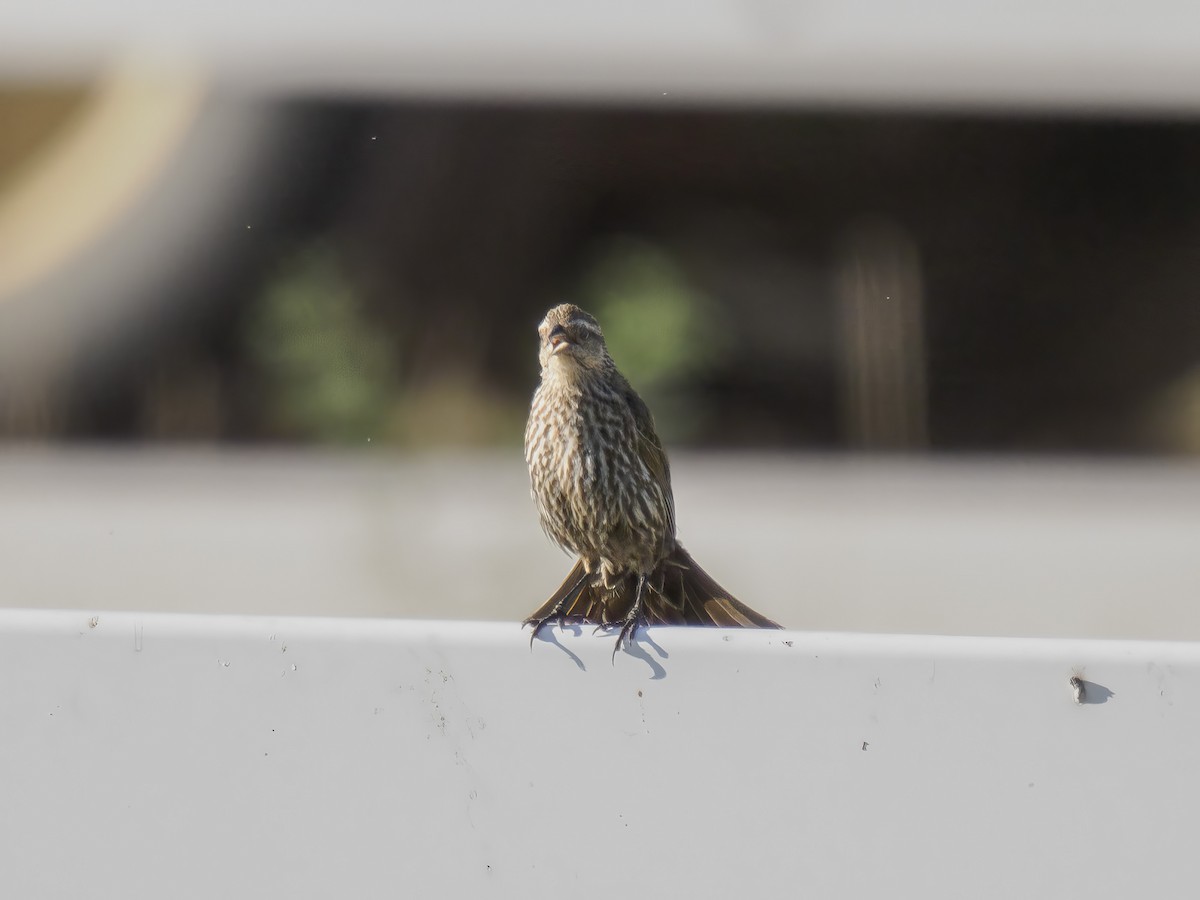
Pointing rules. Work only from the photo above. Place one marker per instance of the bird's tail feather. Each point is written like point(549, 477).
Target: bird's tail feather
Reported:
point(576, 599)
point(678, 592)
point(693, 597)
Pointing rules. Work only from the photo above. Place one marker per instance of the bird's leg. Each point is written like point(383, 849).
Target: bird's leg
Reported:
point(614, 593)
point(559, 610)
point(633, 619)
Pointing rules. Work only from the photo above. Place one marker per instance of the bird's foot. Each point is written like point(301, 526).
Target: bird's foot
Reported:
point(628, 632)
point(623, 624)
point(635, 617)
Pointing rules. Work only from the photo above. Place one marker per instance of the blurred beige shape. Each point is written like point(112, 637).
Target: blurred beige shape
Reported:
point(76, 163)
point(115, 144)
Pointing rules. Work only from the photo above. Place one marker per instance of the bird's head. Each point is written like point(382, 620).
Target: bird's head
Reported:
point(571, 338)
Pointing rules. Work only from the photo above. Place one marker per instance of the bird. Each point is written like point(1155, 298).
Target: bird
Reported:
point(601, 483)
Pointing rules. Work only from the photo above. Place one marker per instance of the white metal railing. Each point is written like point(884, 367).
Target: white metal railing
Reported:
point(154, 755)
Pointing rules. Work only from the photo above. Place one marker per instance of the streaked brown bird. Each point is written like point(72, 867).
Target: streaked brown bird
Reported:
point(602, 486)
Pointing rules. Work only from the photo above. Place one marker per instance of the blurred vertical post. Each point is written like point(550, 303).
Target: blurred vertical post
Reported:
point(880, 310)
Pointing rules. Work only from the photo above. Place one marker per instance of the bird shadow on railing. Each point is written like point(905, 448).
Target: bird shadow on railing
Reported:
point(634, 648)
point(550, 636)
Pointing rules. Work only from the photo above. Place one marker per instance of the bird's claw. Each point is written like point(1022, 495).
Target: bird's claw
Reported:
point(625, 637)
point(561, 619)
point(537, 624)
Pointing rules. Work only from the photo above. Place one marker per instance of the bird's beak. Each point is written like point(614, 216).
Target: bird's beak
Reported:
point(558, 339)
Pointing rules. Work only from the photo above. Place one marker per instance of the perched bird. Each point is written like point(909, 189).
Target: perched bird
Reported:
point(600, 479)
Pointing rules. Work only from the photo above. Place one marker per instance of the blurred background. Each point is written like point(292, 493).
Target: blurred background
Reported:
point(913, 298)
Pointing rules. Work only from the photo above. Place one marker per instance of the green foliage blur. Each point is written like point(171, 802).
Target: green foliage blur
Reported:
point(330, 376)
point(658, 327)
point(661, 330)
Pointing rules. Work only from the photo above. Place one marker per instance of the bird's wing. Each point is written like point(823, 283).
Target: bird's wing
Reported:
point(650, 451)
